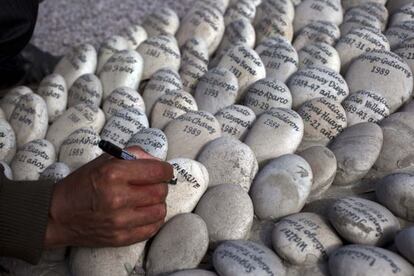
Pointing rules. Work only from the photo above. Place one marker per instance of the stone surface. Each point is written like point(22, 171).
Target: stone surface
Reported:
point(7, 171)
point(55, 172)
point(362, 221)
point(370, 9)
point(54, 92)
point(261, 232)
point(235, 121)
point(405, 243)
point(317, 31)
point(86, 89)
point(9, 101)
point(193, 272)
point(172, 250)
point(163, 21)
point(281, 187)
point(285, 124)
point(135, 35)
point(151, 140)
point(243, 9)
point(347, 4)
point(108, 48)
point(272, 26)
point(268, 8)
point(396, 34)
point(405, 13)
point(122, 98)
point(358, 17)
point(8, 144)
point(406, 52)
point(320, 54)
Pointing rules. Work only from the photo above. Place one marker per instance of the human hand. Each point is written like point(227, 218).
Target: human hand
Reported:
point(109, 202)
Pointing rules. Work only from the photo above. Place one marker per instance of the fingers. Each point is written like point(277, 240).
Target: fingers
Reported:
point(139, 153)
point(136, 235)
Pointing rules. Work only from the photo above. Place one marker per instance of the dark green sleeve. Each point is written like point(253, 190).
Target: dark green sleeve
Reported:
point(24, 211)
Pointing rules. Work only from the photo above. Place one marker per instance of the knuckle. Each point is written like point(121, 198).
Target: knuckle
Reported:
point(117, 222)
point(109, 173)
point(161, 192)
point(160, 211)
point(115, 201)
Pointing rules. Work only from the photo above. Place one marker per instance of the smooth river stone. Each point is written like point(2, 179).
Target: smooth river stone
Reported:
point(228, 212)
point(172, 250)
point(245, 64)
point(7, 142)
point(243, 258)
point(281, 187)
point(320, 54)
point(78, 61)
point(170, 106)
point(356, 149)
point(397, 34)
point(163, 21)
point(365, 106)
point(123, 69)
point(354, 19)
point(192, 182)
point(396, 192)
point(124, 124)
point(229, 161)
point(204, 22)
point(216, 90)
point(122, 98)
point(135, 35)
point(314, 82)
point(110, 47)
point(285, 124)
point(279, 57)
point(80, 148)
point(347, 4)
point(362, 221)
point(266, 94)
point(405, 243)
point(78, 116)
point(188, 134)
point(106, 261)
point(162, 82)
point(159, 52)
point(86, 89)
point(406, 52)
point(32, 159)
point(356, 260)
point(317, 31)
point(54, 91)
point(312, 10)
point(357, 42)
point(151, 140)
point(217, 5)
point(193, 272)
point(405, 13)
point(383, 72)
point(261, 232)
point(408, 107)
point(235, 121)
point(323, 120)
point(242, 9)
point(9, 101)
point(272, 26)
point(2, 114)
point(7, 171)
point(55, 172)
point(269, 8)
point(324, 165)
point(29, 119)
point(304, 239)
point(370, 9)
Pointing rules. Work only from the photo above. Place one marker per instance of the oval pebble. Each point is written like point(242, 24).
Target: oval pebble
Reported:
point(55, 172)
point(9, 101)
point(86, 89)
point(242, 9)
point(54, 91)
point(405, 243)
point(398, 33)
point(163, 21)
point(317, 31)
point(320, 54)
point(406, 52)
point(135, 35)
point(7, 142)
point(268, 8)
point(151, 140)
point(355, 19)
point(122, 98)
point(110, 47)
point(193, 272)
point(347, 4)
point(235, 121)
point(272, 26)
point(405, 13)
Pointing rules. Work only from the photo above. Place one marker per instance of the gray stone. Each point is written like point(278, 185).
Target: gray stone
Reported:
point(55, 172)
point(242, 9)
point(261, 232)
point(162, 21)
point(405, 243)
point(54, 92)
point(398, 33)
point(135, 35)
point(347, 4)
point(355, 19)
point(122, 98)
point(370, 9)
point(109, 47)
point(320, 54)
point(9, 101)
point(86, 89)
point(268, 8)
point(275, 25)
point(317, 31)
point(7, 142)
point(193, 272)
point(405, 13)
point(151, 140)
point(408, 107)
point(406, 52)
point(235, 121)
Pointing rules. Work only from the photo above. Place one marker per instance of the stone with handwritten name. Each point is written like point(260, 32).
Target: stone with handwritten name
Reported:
point(235, 121)
point(122, 98)
point(369, 9)
point(9, 101)
point(242, 9)
point(190, 132)
point(173, 250)
point(192, 182)
point(170, 106)
point(78, 61)
point(357, 18)
point(383, 72)
point(405, 243)
point(32, 159)
point(279, 57)
point(395, 5)
point(54, 91)
point(159, 52)
point(86, 89)
point(362, 221)
point(319, 54)
point(55, 172)
point(406, 51)
point(7, 142)
point(319, 269)
point(281, 187)
point(285, 124)
point(324, 165)
point(347, 4)
point(397, 33)
point(269, 8)
point(110, 47)
point(408, 107)
point(29, 119)
point(7, 171)
point(244, 258)
point(396, 192)
point(317, 31)
point(275, 25)
point(304, 239)
point(354, 260)
point(266, 94)
point(163, 21)
point(151, 140)
point(193, 272)
point(365, 106)
point(78, 116)
point(135, 35)
point(405, 13)
point(218, 5)
point(323, 120)
point(216, 90)
point(229, 161)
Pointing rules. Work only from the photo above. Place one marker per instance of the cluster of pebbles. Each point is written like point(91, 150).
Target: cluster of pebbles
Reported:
point(289, 125)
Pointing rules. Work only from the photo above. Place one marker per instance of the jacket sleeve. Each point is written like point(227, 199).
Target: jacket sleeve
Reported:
point(24, 212)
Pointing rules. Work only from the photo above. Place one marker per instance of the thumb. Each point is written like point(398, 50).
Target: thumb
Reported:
point(139, 153)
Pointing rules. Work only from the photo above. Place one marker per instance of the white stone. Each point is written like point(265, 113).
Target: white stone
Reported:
point(317, 31)
point(122, 98)
point(163, 21)
point(405, 243)
point(55, 172)
point(408, 107)
point(192, 182)
point(406, 52)
point(269, 8)
point(242, 9)
point(7, 142)
point(29, 119)
point(78, 61)
point(55, 93)
point(320, 54)
point(9, 101)
point(135, 35)
point(229, 161)
point(396, 34)
point(7, 171)
point(32, 159)
point(371, 8)
point(285, 124)
point(355, 19)
point(193, 272)
point(395, 5)
point(272, 26)
point(151, 140)
point(86, 89)
point(110, 47)
point(235, 121)
point(79, 148)
point(281, 187)
point(347, 4)
point(405, 13)
point(218, 5)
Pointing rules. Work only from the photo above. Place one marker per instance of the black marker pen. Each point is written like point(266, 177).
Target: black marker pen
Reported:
point(119, 153)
